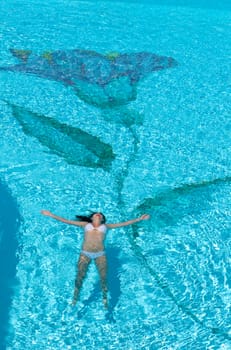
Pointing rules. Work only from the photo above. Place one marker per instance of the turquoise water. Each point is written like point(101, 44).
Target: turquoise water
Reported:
point(160, 146)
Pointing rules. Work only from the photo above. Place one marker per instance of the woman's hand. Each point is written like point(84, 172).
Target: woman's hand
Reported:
point(46, 212)
point(145, 217)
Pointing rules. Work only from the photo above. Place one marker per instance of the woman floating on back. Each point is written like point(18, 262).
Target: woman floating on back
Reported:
point(95, 229)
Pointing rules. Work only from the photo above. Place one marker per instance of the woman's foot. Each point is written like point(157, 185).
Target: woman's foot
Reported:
point(75, 297)
point(105, 302)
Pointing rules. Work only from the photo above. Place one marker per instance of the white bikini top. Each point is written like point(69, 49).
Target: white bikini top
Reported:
point(102, 228)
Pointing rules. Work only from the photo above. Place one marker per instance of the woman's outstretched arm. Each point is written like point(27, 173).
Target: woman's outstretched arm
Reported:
point(129, 222)
point(59, 218)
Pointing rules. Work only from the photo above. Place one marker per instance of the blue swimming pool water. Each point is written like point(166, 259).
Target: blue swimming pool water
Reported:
point(160, 146)
point(9, 225)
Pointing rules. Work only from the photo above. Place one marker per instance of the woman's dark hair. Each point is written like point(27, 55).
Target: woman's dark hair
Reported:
point(88, 218)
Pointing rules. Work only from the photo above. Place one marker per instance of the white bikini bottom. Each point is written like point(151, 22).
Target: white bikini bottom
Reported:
point(93, 255)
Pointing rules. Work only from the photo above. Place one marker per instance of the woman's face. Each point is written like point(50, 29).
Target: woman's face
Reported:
point(97, 216)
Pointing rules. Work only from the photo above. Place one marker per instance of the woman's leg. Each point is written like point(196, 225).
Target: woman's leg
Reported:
point(82, 268)
point(101, 264)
